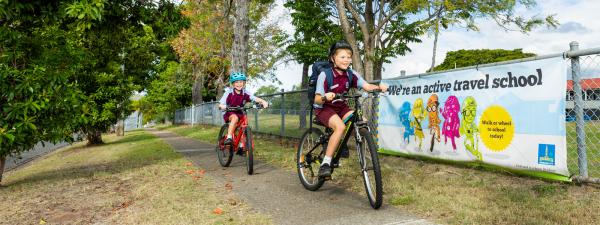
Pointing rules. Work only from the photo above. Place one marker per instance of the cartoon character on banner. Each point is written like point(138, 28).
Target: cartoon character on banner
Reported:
point(405, 120)
point(468, 127)
point(434, 119)
point(418, 114)
point(451, 121)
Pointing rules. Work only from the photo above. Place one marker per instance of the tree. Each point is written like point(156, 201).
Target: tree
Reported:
point(40, 57)
point(448, 13)
point(204, 42)
point(121, 53)
point(169, 92)
point(464, 58)
point(385, 28)
point(207, 43)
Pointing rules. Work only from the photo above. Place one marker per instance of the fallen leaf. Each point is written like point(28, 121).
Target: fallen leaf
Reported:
point(189, 164)
point(189, 171)
point(42, 221)
point(218, 211)
point(197, 177)
point(202, 171)
point(228, 186)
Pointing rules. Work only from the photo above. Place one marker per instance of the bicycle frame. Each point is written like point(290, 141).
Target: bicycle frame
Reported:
point(241, 126)
point(353, 122)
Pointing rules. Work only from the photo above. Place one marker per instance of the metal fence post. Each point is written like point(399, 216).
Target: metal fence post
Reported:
point(282, 132)
point(579, 119)
point(256, 120)
point(193, 114)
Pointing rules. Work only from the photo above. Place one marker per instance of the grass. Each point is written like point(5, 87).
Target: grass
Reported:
point(451, 194)
point(136, 179)
point(271, 124)
point(592, 132)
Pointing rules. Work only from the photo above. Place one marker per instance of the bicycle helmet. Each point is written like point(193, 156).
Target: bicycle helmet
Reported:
point(339, 45)
point(235, 76)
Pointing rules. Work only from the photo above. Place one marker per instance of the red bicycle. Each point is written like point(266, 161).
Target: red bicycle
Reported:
point(243, 144)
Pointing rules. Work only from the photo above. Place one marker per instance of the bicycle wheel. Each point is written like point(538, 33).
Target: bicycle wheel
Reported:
point(308, 164)
point(369, 163)
point(224, 155)
point(249, 151)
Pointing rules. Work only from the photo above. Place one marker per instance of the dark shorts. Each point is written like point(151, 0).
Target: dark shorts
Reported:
point(323, 114)
point(227, 114)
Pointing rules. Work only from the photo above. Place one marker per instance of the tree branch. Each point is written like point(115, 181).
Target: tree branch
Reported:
point(361, 23)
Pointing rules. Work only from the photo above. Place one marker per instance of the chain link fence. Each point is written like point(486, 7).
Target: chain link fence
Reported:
point(289, 114)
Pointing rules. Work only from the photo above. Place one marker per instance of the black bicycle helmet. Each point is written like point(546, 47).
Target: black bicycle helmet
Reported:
point(339, 45)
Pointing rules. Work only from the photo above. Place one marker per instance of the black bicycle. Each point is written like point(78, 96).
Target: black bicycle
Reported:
point(314, 143)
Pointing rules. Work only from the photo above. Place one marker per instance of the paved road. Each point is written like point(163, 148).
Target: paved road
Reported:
point(37, 151)
point(278, 193)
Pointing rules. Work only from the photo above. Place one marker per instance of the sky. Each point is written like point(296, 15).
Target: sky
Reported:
point(578, 22)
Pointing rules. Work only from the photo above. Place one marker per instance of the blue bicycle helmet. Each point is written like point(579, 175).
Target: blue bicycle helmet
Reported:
point(235, 76)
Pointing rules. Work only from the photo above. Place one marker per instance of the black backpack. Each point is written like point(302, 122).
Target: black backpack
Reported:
point(317, 68)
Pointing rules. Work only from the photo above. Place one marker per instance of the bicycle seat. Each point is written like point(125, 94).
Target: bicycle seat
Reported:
point(317, 122)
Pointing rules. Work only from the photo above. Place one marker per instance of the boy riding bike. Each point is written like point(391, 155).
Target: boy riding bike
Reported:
point(235, 96)
point(330, 112)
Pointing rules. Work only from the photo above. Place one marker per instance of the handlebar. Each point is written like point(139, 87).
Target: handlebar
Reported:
point(242, 108)
point(367, 94)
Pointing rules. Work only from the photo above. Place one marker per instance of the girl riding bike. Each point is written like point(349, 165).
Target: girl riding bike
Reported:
point(330, 112)
point(236, 96)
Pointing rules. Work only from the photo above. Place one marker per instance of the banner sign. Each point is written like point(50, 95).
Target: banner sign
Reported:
point(508, 115)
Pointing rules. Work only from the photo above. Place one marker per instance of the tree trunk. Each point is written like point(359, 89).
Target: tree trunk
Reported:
point(357, 64)
point(435, 40)
point(2, 164)
point(239, 54)
point(197, 87)
point(94, 137)
point(120, 128)
point(303, 100)
point(369, 64)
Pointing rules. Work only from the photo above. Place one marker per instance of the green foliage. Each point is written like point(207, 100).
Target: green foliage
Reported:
point(169, 92)
point(38, 61)
point(68, 67)
point(267, 90)
point(464, 58)
point(315, 32)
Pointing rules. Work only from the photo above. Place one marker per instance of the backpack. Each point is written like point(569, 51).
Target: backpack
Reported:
point(317, 68)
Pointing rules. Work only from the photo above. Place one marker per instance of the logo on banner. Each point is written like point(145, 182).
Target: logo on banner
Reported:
point(546, 154)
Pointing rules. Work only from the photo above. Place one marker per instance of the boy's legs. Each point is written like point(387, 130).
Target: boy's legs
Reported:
point(345, 152)
point(335, 123)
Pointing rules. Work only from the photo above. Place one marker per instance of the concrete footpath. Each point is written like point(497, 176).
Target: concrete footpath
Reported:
point(278, 193)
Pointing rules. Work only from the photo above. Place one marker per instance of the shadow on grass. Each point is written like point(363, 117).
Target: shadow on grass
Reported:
point(128, 160)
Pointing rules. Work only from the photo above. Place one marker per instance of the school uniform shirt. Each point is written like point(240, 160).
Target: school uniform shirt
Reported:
point(340, 85)
point(232, 99)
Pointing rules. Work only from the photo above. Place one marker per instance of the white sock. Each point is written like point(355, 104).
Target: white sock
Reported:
point(228, 136)
point(241, 145)
point(327, 160)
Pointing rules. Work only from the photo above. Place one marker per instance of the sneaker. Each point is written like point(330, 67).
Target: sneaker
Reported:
point(228, 141)
point(240, 152)
point(325, 171)
point(345, 152)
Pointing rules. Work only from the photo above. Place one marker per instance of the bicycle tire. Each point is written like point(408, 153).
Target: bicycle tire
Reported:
point(368, 152)
point(249, 152)
point(312, 182)
point(224, 158)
